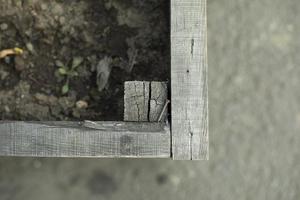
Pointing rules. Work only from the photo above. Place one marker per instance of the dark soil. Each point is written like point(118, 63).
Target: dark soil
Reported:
point(111, 41)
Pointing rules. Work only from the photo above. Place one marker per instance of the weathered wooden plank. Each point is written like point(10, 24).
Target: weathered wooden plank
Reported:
point(145, 101)
point(136, 101)
point(158, 101)
point(189, 80)
point(88, 139)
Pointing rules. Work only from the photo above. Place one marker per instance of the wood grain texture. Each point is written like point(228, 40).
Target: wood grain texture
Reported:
point(136, 101)
point(87, 139)
point(158, 100)
point(145, 101)
point(189, 80)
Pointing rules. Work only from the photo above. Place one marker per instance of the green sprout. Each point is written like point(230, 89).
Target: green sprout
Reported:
point(68, 72)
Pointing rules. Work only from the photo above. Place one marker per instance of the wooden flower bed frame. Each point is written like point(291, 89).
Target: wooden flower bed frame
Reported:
point(146, 131)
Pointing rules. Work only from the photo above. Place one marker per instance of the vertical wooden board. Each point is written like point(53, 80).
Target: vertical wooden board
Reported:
point(189, 80)
point(136, 100)
point(158, 101)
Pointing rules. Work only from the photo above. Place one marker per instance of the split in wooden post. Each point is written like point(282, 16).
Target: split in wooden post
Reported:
point(145, 101)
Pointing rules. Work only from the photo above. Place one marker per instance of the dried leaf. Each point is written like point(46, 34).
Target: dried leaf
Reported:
point(103, 72)
point(132, 54)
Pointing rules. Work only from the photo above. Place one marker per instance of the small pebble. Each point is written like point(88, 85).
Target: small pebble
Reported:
point(3, 26)
point(41, 97)
point(62, 20)
point(19, 63)
point(81, 104)
point(30, 48)
point(44, 6)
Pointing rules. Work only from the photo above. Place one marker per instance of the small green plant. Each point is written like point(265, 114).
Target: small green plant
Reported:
point(68, 72)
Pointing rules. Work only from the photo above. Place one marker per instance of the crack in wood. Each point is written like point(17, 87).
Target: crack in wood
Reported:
point(191, 140)
point(148, 100)
point(192, 47)
point(137, 105)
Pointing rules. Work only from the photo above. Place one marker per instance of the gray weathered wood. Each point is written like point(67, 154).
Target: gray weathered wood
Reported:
point(158, 98)
point(87, 139)
point(136, 101)
point(128, 139)
point(189, 80)
point(145, 101)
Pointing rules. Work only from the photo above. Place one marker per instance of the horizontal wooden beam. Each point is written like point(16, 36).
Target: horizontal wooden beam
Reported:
point(85, 139)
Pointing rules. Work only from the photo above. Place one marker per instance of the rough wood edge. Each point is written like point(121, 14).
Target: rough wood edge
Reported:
point(85, 139)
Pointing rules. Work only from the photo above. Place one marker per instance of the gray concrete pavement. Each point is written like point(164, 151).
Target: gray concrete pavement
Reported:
point(254, 79)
